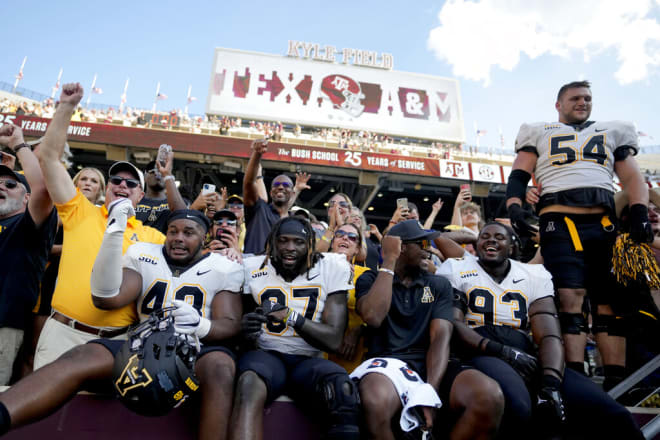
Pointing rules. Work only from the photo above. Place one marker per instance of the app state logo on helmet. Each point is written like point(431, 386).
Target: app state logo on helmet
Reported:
point(154, 370)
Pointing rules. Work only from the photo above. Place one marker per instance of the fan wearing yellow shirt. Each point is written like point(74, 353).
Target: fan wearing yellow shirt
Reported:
point(74, 319)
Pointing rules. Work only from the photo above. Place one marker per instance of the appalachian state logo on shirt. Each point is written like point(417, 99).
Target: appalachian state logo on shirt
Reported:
point(427, 296)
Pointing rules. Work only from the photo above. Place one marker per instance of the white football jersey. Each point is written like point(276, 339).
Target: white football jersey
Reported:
point(505, 303)
point(306, 295)
point(197, 285)
point(568, 158)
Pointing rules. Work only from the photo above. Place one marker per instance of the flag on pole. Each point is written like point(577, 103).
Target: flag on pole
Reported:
point(161, 96)
point(191, 99)
point(97, 90)
point(481, 132)
point(20, 75)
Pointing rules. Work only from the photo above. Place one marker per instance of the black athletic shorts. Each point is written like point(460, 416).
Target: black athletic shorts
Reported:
point(577, 251)
point(290, 374)
point(454, 368)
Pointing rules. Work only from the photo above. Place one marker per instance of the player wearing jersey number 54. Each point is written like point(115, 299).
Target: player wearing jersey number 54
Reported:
point(574, 160)
point(203, 288)
point(303, 312)
point(498, 302)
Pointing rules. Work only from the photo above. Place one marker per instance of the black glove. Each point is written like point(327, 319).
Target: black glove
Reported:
point(519, 220)
point(549, 404)
point(269, 307)
point(523, 363)
point(640, 227)
point(251, 323)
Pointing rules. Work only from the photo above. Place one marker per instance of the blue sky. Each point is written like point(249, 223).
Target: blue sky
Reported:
point(510, 56)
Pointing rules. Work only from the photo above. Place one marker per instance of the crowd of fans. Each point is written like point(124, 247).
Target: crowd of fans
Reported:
point(177, 119)
point(379, 290)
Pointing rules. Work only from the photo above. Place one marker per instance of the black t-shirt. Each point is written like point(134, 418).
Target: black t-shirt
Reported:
point(24, 251)
point(259, 220)
point(153, 212)
point(405, 332)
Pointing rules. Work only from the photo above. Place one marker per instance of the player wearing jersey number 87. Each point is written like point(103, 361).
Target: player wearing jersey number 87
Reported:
point(574, 161)
point(303, 311)
point(501, 349)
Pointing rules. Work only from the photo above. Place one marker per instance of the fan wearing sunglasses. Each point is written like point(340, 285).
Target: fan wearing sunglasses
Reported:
point(74, 319)
point(260, 216)
point(224, 232)
point(347, 240)
point(27, 231)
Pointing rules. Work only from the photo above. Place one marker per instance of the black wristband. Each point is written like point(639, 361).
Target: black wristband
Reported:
point(640, 211)
point(493, 348)
point(549, 381)
point(517, 184)
point(19, 146)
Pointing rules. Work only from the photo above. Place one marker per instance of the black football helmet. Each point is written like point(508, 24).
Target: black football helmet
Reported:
point(154, 370)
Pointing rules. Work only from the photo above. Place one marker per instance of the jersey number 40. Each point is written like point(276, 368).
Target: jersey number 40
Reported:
point(155, 297)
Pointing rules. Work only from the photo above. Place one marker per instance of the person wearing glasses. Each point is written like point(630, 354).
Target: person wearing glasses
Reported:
point(347, 241)
point(234, 203)
point(339, 208)
point(409, 315)
point(28, 223)
point(260, 216)
point(223, 233)
point(74, 319)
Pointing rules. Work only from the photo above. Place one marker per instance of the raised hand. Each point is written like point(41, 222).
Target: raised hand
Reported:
point(72, 94)
point(119, 211)
point(11, 135)
point(301, 182)
point(391, 247)
point(260, 146)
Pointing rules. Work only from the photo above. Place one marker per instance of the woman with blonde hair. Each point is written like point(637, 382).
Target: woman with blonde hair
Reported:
point(91, 183)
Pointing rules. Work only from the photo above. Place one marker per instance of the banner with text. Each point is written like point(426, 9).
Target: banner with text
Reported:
point(318, 93)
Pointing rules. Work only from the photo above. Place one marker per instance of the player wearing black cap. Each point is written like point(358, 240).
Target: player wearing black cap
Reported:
point(203, 288)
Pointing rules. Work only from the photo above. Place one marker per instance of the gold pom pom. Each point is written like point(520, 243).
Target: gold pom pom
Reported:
point(634, 262)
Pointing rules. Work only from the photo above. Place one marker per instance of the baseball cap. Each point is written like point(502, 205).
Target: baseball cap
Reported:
point(234, 197)
point(127, 166)
point(411, 230)
point(6, 171)
point(299, 210)
point(224, 213)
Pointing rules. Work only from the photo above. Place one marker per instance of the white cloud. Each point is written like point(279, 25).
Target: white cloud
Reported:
point(475, 36)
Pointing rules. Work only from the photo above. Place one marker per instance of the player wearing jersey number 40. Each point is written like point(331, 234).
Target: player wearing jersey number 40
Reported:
point(149, 277)
point(300, 297)
point(573, 161)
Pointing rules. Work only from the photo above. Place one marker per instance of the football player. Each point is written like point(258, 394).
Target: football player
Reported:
point(574, 160)
point(499, 300)
point(302, 312)
point(203, 288)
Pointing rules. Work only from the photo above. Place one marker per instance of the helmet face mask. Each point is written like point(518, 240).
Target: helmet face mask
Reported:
point(154, 370)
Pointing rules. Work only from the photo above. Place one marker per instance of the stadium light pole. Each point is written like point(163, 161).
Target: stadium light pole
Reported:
point(19, 77)
point(153, 108)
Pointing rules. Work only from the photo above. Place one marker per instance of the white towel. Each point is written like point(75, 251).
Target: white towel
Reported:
point(412, 390)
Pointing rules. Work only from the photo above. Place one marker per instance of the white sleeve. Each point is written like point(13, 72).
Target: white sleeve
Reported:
point(246, 276)
point(130, 259)
point(627, 136)
point(338, 273)
point(447, 270)
point(543, 285)
point(233, 274)
point(527, 137)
